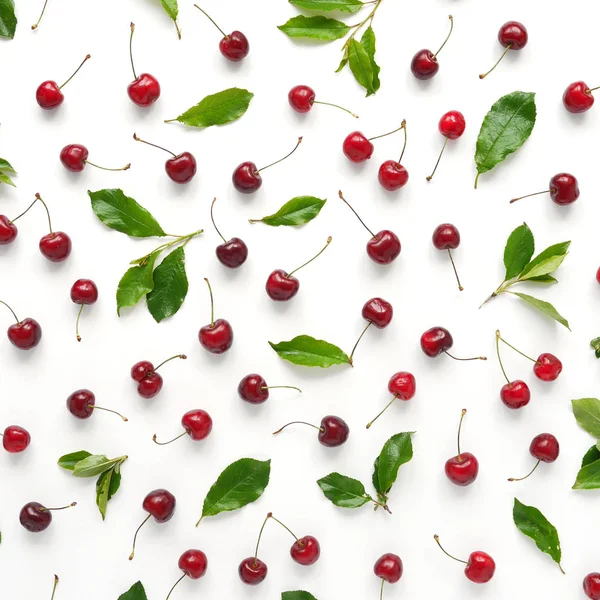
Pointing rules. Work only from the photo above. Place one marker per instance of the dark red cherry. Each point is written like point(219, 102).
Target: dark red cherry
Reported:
point(150, 385)
point(49, 94)
point(545, 447)
point(25, 334)
point(141, 369)
point(82, 403)
point(306, 550)
point(74, 157)
point(384, 247)
point(193, 563)
point(56, 246)
point(547, 367)
point(435, 341)
point(378, 311)
point(181, 168)
point(302, 99)
point(424, 64)
point(217, 337)
point(513, 36)
point(83, 292)
point(333, 431)
point(8, 231)
point(357, 147)
point(591, 586)
point(578, 97)
point(35, 517)
point(232, 253)
point(196, 423)
point(252, 571)
point(515, 394)
point(253, 389)
point(149, 381)
point(234, 46)
point(447, 237)
point(389, 568)
point(463, 468)
point(15, 439)
point(563, 189)
point(280, 286)
point(144, 90)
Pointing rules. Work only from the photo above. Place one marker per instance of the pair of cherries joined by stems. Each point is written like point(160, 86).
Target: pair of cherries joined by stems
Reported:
point(159, 504)
point(25, 334)
point(305, 551)
point(35, 517)
point(83, 292)
point(217, 336)
point(149, 381)
point(15, 439)
point(480, 566)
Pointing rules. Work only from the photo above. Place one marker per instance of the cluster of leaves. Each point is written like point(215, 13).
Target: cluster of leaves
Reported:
point(298, 211)
point(521, 267)
point(8, 19)
point(307, 351)
point(359, 55)
point(6, 167)
point(347, 492)
point(84, 464)
point(587, 414)
point(504, 130)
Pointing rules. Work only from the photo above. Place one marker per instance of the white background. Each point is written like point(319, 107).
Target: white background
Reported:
point(90, 555)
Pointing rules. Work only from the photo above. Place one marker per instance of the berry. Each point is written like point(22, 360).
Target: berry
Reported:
point(254, 389)
point(402, 386)
point(513, 36)
point(149, 381)
point(232, 253)
point(389, 568)
point(83, 291)
point(252, 571)
point(74, 157)
point(145, 89)
point(424, 64)
point(302, 99)
point(56, 245)
point(35, 517)
point(193, 563)
point(563, 190)
point(591, 586)
point(306, 550)
point(437, 340)
point(25, 334)
point(547, 367)
point(545, 448)
point(49, 94)
point(452, 125)
point(333, 431)
point(578, 97)
point(196, 423)
point(515, 394)
point(181, 168)
point(463, 468)
point(447, 237)
point(480, 566)
point(358, 148)
point(81, 404)
point(217, 337)
point(392, 175)
point(15, 439)
point(378, 311)
point(235, 46)
point(8, 231)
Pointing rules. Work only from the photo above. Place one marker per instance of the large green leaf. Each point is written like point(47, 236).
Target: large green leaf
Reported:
point(360, 65)
point(297, 595)
point(8, 19)
point(309, 352)
point(368, 42)
point(587, 415)
point(396, 451)
point(136, 283)
point(350, 6)
point(518, 250)
point(316, 28)
point(135, 592)
point(298, 211)
point(68, 461)
point(170, 286)
point(545, 307)
point(545, 262)
point(343, 491)
point(588, 477)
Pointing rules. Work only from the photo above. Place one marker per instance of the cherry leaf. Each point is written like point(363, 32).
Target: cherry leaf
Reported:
point(396, 451)
point(545, 307)
point(96, 464)
point(595, 344)
point(307, 351)
point(136, 283)
point(298, 211)
point(360, 65)
point(297, 595)
point(135, 592)
point(343, 491)
point(68, 461)
point(368, 43)
point(545, 262)
point(106, 487)
point(349, 6)
point(591, 456)
point(8, 19)
point(319, 28)
point(588, 477)
point(518, 250)
point(587, 415)
point(170, 286)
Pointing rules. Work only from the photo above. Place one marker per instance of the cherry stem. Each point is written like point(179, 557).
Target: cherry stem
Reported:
point(313, 258)
point(358, 340)
point(135, 537)
point(498, 338)
point(529, 196)
point(269, 515)
point(437, 539)
point(592, 89)
point(460, 287)
point(430, 177)
point(405, 140)
point(537, 464)
point(125, 168)
point(462, 417)
point(39, 198)
point(517, 351)
point(386, 407)
point(176, 583)
point(34, 27)
point(211, 20)
point(356, 214)
point(44, 509)
point(287, 529)
point(25, 211)
point(164, 362)
point(213, 221)
point(77, 323)
point(170, 441)
point(336, 106)
point(280, 387)
point(114, 412)
point(483, 75)
point(212, 303)
point(381, 592)
point(282, 159)
point(56, 576)
point(389, 132)
point(137, 139)
point(447, 37)
point(131, 50)
point(296, 423)
point(11, 310)
point(465, 359)
point(60, 87)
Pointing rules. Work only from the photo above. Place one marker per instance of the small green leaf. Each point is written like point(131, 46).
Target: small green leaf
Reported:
point(124, 214)
point(309, 352)
point(368, 42)
point(297, 595)
point(543, 279)
point(587, 415)
point(349, 6)
point(4, 178)
point(360, 65)
point(591, 456)
point(170, 286)
point(8, 19)
point(375, 478)
point(532, 523)
point(545, 307)
point(68, 461)
point(136, 283)
point(217, 109)
point(241, 483)
point(588, 477)
point(518, 251)
point(396, 452)
point(5, 165)
point(343, 491)
point(344, 60)
point(298, 211)
point(504, 130)
point(595, 344)
point(171, 8)
point(95, 464)
point(316, 28)
point(106, 487)
point(136, 592)
point(545, 262)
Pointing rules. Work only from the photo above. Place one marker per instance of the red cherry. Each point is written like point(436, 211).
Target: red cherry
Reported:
point(150, 386)
point(196, 423)
point(547, 367)
point(217, 337)
point(149, 381)
point(141, 369)
point(480, 566)
point(15, 439)
point(598, 275)
point(563, 190)
point(302, 98)
point(82, 403)
point(181, 168)
point(389, 568)
point(402, 386)
point(252, 571)
point(56, 245)
point(83, 291)
point(452, 125)
point(424, 64)
point(74, 157)
point(357, 147)
point(306, 550)
point(234, 46)
point(578, 97)
point(392, 175)
point(591, 586)
point(254, 389)
point(145, 89)
point(35, 517)
point(545, 448)
point(25, 334)
point(463, 468)
point(333, 431)
point(513, 36)
point(8, 231)
point(437, 340)
point(49, 94)
point(193, 563)
point(447, 237)
point(232, 253)
point(378, 311)
point(515, 394)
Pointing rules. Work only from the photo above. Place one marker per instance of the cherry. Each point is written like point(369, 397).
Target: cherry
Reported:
point(424, 64)
point(378, 312)
point(35, 517)
point(56, 245)
point(282, 286)
point(333, 431)
point(196, 423)
point(437, 340)
point(545, 448)
point(402, 386)
point(547, 367)
point(389, 569)
point(8, 229)
point(74, 157)
point(233, 47)
point(15, 439)
point(34, 27)
point(181, 168)
point(232, 253)
point(193, 563)
point(25, 334)
point(149, 381)
point(392, 175)
point(49, 95)
point(513, 36)
point(82, 403)
point(447, 237)
point(252, 570)
point(382, 248)
point(463, 468)
point(598, 275)
point(254, 389)
point(247, 178)
point(452, 125)
point(563, 190)
point(83, 291)
point(302, 99)
point(480, 566)
point(145, 89)
point(359, 148)
point(514, 394)
point(578, 97)
point(217, 337)
point(591, 586)
point(159, 504)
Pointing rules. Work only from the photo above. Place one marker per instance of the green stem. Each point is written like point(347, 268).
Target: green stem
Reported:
point(25, 211)
point(358, 340)
point(537, 464)
point(34, 27)
point(170, 441)
point(125, 168)
point(286, 528)
point(313, 258)
point(386, 407)
point(437, 539)
point(131, 50)
point(212, 21)
point(212, 303)
point(56, 576)
point(77, 323)
point(169, 594)
point(135, 537)
point(498, 338)
point(177, 28)
point(213, 221)
point(164, 362)
point(280, 387)
point(179, 238)
point(282, 159)
point(358, 26)
point(430, 177)
point(483, 75)
point(356, 214)
point(462, 418)
point(114, 412)
point(296, 423)
point(60, 87)
point(11, 310)
point(260, 536)
point(38, 197)
point(336, 106)
point(403, 126)
point(381, 591)
point(447, 37)
point(518, 351)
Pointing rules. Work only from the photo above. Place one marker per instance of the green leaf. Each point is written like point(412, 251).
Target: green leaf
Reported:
point(375, 478)
point(297, 595)
point(588, 477)
point(136, 283)
point(298, 211)
point(395, 452)
point(6, 179)
point(68, 461)
point(532, 523)
point(95, 464)
point(504, 130)
point(545, 307)
point(309, 352)
point(241, 483)
point(8, 19)
point(518, 251)
point(136, 592)
point(102, 491)
point(124, 214)
point(587, 415)
point(316, 28)
point(349, 6)
point(170, 286)
point(5, 165)
point(368, 43)
point(344, 60)
point(546, 262)
point(217, 109)
point(360, 65)
point(171, 8)
point(595, 344)
point(543, 279)
point(591, 456)
point(343, 491)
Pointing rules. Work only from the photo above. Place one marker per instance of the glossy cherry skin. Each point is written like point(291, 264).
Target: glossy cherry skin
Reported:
point(34, 517)
point(253, 389)
point(197, 423)
point(301, 98)
point(246, 178)
point(564, 189)
point(402, 385)
point(15, 439)
point(141, 369)
point(8, 231)
point(545, 447)
point(144, 91)
point(73, 157)
point(193, 563)
point(452, 124)
point(233, 253)
point(160, 504)
point(357, 147)
point(591, 586)
point(598, 275)
point(389, 568)
point(378, 311)
point(217, 337)
point(281, 287)
point(25, 335)
point(333, 431)
point(150, 385)
point(462, 470)
point(514, 34)
point(577, 98)
point(446, 237)
point(392, 175)
point(384, 248)
point(181, 168)
point(252, 571)
point(306, 551)
point(424, 65)
point(547, 367)
point(48, 95)
point(56, 246)
point(84, 291)
point(480, 568)
point(81, 404)
point(234, 46)
point(515, 394)
point(435, 341)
